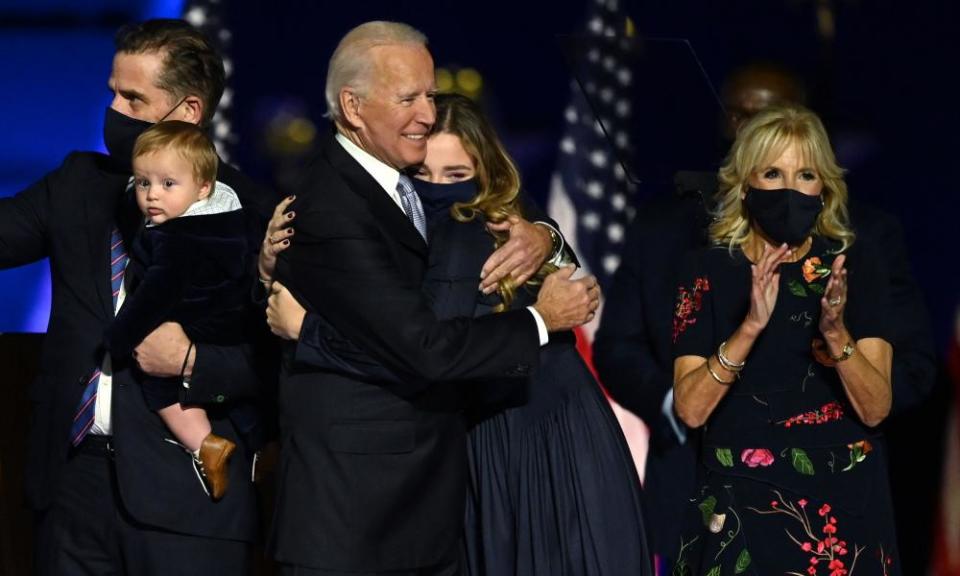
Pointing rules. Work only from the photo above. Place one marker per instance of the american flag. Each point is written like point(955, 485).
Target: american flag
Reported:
point(591, 196)
point(208, 17)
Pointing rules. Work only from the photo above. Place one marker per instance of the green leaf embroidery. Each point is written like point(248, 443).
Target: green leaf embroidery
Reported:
point(715, 571)
point(796, 288)
point(707, 507)
point(821, 271)
point(681, 568)
point(856, 456)
point(743, 561)
point(816, 288)
point(725, 457)
point(801, 462)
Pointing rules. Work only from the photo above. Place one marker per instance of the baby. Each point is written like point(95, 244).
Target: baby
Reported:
point(188, 264)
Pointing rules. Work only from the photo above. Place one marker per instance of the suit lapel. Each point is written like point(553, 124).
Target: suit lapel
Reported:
point(388, 214)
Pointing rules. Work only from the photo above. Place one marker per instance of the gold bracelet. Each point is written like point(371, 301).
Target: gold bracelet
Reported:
point(726, 362)
point(714, 374)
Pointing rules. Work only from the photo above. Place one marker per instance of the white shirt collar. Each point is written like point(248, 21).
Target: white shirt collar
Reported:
point(386, 176)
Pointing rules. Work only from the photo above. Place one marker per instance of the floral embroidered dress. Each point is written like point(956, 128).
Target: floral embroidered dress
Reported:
point(791, 482)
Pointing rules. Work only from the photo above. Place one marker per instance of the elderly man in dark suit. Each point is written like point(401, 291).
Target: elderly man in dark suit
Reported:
point(372, 476)
point(112, 494)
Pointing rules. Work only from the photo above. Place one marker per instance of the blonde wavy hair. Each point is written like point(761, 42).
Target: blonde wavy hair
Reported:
point(498, 181)
point(760, 141)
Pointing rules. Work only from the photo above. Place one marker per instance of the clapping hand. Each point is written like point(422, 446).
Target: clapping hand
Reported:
point(765, 285)
point(834, 299)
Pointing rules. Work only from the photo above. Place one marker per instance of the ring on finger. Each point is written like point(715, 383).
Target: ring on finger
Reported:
point(834, 301)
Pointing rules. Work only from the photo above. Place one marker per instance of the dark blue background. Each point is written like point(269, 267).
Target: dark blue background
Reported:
point(883, 85)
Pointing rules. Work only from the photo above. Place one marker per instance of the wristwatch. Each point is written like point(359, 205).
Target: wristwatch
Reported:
point(845, 353)
point(557, 245)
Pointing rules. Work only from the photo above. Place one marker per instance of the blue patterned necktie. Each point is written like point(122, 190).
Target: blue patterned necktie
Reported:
point(410, 202)
point(83, 420)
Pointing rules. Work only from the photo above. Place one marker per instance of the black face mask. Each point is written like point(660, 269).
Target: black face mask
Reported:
point(439, 197)
point(785, 215)
point(120, 133)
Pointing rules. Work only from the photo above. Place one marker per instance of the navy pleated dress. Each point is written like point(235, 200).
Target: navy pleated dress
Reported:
point(552, 488)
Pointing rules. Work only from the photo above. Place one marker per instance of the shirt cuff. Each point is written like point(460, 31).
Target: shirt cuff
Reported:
point(667, 410)
point(541, 326)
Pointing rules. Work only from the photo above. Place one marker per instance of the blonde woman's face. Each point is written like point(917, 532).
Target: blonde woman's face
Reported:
point(790, 170)
point(446, 162)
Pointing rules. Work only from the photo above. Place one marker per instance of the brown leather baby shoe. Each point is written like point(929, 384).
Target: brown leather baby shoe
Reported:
point(213, 464)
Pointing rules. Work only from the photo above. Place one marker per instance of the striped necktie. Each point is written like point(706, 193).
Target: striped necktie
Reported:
point(83, 420)
point(410, 202)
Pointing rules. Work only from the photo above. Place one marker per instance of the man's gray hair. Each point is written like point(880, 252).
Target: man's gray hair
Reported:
point(351, 64)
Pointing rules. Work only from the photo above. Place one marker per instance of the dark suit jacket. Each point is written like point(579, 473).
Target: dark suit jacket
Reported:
point(68, 216)
point(457, 251)
point(371, 476)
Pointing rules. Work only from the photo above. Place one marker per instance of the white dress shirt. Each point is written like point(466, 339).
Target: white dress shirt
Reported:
point(102, 426)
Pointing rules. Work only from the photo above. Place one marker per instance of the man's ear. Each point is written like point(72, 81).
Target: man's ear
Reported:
point(192, 110)
point(350, 107)
point(205, 190)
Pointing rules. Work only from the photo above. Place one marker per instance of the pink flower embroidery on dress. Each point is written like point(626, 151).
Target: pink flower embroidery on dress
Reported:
point(754, 457)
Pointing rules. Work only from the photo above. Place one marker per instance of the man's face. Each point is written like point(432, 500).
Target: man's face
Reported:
point(395, 115)
point(165, 185)
point(752, 91)
point(133, 85)
point(745, 102)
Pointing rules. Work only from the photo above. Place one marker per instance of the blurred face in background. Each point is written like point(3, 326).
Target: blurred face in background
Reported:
point(752, 89)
